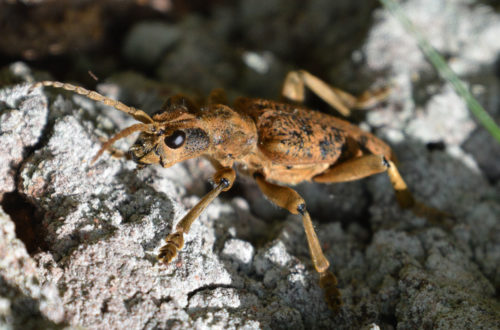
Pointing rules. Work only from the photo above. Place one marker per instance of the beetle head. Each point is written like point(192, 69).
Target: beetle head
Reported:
point(169, 145)
point(171, 135)
point(176, 135)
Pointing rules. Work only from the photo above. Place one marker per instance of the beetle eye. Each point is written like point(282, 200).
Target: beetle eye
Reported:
point(175, 140)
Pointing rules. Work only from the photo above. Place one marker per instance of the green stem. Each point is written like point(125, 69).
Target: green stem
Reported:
point(444, 70)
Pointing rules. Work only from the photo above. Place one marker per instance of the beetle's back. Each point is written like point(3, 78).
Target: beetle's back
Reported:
point(292, 135)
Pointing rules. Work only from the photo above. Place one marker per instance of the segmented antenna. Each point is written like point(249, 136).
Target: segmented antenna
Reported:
point(136, 113)
point(120, 135)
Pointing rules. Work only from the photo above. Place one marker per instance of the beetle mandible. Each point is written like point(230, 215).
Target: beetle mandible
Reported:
point(276, 143)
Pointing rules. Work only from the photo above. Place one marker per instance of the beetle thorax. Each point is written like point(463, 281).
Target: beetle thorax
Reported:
point(232, 135)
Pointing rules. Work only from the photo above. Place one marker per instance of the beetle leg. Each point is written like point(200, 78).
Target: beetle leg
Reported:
point(296, 82)
point(223, 178)
point(217, 96)
point(289, 199)
point(364, 166)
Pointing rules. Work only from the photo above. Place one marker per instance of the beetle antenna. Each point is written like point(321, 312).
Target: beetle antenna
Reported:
point(136, 113)
point(120, 135)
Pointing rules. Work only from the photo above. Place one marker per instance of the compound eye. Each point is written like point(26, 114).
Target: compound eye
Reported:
point(176, 140)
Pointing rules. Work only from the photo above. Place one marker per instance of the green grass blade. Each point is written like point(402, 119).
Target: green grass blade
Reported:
point(444, 70)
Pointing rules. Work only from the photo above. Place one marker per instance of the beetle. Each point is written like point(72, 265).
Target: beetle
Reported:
point(277, 143)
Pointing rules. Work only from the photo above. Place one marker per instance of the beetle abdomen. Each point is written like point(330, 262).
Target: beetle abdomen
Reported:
point(290, 134)
point(299, 137)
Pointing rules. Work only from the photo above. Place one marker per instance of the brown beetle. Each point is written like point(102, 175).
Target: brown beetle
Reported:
point(276, 143)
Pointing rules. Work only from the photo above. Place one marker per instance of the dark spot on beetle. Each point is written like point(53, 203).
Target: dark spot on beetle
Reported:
point(224, 182)
point(289, 167)
point(361, 144)
point(223, 115)
point(362, 141)
point(301, 208)
point(385, 162)
point(307, 129)
point(297, 139)
point(261, 105)
point(197, 139)
point(325, 148)
point(277, 106)
point(337, 134)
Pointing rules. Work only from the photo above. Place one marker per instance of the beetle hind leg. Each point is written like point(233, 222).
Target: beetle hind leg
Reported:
point(297, 81)
point(289, 199)
point(367, 165)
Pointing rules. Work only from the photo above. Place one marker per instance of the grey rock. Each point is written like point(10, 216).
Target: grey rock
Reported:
point(240, 252)
point(22, 119)
point(24, 301)
point(148, 41)
point(211, 64)
point(485, 154)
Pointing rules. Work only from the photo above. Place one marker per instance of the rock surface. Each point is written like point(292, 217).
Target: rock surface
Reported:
point(245, 264)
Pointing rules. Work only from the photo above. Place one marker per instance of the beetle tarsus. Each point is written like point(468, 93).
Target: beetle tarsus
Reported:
point(333, 297)
point(168, 252)
point(175, 241)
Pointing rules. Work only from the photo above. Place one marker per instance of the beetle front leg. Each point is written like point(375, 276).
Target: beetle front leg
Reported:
point(367, 165)
point(224, 179)
point(296, 82)
point(289, 199)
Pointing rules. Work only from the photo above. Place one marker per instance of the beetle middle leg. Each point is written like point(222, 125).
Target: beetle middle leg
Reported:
point(296, 82)
point(289, 199)
point(367, 165)
point(224, 179)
